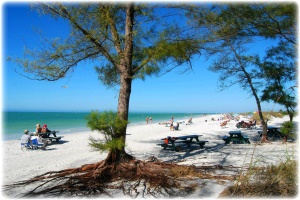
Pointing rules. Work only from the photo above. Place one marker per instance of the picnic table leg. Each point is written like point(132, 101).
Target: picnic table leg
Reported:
point(178, 148)
point(201, 145)
point(228, 140)
point(242, 140)
point(173, 145)
point(247, 141)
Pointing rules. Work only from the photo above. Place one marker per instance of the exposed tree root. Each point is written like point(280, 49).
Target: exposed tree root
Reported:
point(134, 178)
point(264, 139)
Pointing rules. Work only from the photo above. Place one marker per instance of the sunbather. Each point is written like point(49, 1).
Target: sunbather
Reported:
point(175, 127)
point(223, 123)
point(189, 122)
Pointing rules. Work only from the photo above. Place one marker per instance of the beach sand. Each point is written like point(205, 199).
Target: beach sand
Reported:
point(74, 151)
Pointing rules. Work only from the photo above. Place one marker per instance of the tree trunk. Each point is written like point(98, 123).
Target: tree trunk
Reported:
point(291, 117)
point(125, 70)
point(291, 113)
point(120, 155)
point(249, 80)
point(284, 139)
point(264, 124)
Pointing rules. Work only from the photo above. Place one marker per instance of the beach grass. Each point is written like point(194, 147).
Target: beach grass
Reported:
point(271, 181)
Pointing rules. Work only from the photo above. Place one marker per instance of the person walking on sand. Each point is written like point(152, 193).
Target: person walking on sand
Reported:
point(147, 119)
point(171, 126)
point(150, 120)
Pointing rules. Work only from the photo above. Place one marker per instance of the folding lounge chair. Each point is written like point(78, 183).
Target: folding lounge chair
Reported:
point(253, 125)
point(35, 144)
point(25, 145)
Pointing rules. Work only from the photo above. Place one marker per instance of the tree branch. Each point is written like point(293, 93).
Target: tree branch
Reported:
point(88, 35)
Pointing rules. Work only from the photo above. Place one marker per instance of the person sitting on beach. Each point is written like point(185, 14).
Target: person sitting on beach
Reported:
point(175, 127)
point(38, 128)
point(189, 122)
point(39, 140)
point(224, 123)
point(45, 130)
point(25, 137)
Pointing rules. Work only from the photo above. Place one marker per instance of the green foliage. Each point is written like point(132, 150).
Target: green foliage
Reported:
point(99, 34)
point(110, 145)
point(267, 20)
point(288, 128)
point(108, 75)
point(110, 125)
point(279, 69)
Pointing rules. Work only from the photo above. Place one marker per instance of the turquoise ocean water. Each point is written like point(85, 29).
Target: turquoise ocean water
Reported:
point(14, 123)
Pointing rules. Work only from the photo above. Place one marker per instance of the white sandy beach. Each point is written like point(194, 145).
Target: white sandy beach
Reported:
point(74, 151)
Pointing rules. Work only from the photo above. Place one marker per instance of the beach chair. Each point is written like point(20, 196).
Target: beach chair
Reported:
point(25, 145)
point(36, 144)
point(253, 125)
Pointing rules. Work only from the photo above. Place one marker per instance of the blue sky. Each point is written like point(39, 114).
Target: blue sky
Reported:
point(194, 91)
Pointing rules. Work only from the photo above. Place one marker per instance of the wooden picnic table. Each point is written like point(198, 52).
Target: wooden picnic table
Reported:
point(177, 143)
point(236, 137)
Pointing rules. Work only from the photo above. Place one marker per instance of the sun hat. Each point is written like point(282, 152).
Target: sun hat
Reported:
point(38, 125)
point(26, 131)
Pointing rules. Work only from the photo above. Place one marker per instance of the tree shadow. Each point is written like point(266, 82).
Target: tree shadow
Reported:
point(59, 143)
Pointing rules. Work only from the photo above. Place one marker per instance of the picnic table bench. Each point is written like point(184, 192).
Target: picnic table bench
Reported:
point(236, 137)
point(177, 143)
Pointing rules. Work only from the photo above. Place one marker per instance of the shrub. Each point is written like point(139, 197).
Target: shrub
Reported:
point(288, 129)
point(110, 125)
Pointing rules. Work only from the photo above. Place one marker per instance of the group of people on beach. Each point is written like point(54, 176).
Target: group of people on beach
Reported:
point(43, 129)
point(28, 138)
point(175, 126)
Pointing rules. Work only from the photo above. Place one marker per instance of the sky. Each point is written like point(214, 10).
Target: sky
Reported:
point(195, 91)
